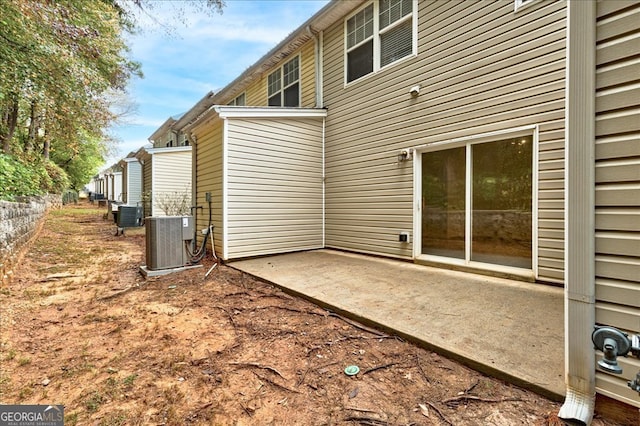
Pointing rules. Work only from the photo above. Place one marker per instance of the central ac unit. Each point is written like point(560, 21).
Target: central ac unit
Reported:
point(165, 236)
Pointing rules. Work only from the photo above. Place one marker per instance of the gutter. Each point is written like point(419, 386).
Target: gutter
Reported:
point(579, 300)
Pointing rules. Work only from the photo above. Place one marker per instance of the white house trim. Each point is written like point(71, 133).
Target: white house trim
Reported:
point(469, 141)
point(168, 149)
point(268, 112)
point(225, 188)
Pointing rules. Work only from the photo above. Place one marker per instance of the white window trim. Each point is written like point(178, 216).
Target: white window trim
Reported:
point(282, 86)
point(522, 4)
point(376, 39)
point(468, 141)
point(234, 101)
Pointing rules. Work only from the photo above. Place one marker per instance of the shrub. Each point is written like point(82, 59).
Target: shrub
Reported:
point(28, 177)
point(16, 178)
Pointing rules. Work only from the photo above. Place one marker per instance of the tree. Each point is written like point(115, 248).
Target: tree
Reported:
point(57, 62)
point(62, 64)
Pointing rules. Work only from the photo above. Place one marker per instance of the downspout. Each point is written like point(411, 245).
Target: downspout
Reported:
point(324, 120)
point(193, 141)
point(579, 298)
point(319, 67)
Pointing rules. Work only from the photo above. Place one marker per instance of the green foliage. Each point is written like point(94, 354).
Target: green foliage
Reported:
point(80, 164)
point(69, 197)
point(59, 64)
point(58, 180)
point(17, 178)
point(24, 178)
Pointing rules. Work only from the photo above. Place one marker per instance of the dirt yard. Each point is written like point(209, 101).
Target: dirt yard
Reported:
point(81, 327)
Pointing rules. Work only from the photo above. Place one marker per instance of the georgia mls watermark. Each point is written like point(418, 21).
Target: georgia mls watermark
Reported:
point(31, 415)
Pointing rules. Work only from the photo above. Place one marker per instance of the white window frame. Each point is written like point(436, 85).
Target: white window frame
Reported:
point(522, 4)
point(376, 38)
point(282, 86)
point(468, 142)
point(234, 101)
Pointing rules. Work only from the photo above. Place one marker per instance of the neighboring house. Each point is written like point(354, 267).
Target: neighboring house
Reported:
point(113, 183)
point(166, 180)
point(167, 135)
point(263, 167)
point(131, 179)
point(455, 134)
point(98, 184)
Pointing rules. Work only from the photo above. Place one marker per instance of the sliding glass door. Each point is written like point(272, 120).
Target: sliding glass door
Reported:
point(477, 202)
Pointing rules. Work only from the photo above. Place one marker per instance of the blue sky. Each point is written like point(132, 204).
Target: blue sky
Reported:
point(204, 53)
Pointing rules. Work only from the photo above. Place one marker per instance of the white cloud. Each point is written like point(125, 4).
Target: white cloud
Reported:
point(204, 54)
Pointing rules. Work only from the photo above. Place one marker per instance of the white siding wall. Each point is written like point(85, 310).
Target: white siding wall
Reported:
point(482, 68)
point(134, 182)
point(171, 179)
point(274, 185)
point(117, 186)
point(618, 182)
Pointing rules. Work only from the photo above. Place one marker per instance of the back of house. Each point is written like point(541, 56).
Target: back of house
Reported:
point(437, 132)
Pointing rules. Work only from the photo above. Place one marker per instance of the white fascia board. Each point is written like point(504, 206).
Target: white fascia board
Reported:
point(168, 150)
point(269, 112)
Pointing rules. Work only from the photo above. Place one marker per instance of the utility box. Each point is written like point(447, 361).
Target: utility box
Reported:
point(165, 236)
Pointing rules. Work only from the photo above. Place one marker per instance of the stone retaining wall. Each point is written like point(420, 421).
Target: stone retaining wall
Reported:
point(18, 222)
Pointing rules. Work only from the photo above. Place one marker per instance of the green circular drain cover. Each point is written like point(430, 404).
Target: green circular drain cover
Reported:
point(352, 370)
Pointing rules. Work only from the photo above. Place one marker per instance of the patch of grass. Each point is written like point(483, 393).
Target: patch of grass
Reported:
point(93, 403)
point(111, 386)
point(115, 419)
point(128, 381)
point(47, 292)
point(4, 383)
point(11, 354)
point(25, 393)
point(22, 361)
point(71, 419)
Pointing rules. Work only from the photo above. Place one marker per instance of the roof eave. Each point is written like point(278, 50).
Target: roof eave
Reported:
point(320, 21)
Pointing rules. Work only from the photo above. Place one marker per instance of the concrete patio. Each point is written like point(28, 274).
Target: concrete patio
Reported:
point(505, 328)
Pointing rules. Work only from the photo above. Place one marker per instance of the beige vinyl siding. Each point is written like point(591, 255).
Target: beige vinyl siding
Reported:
point(274, 185)
point(171, 179)
point(617, 173)
point(125, 182)
point(209, 178)
point(256, 93)
point(307, 75)
point(146, 185)
point(482, 68)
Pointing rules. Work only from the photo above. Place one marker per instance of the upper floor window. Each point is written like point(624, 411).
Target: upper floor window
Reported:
point(238, 100)
point(378, 35)
point(283, 85)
